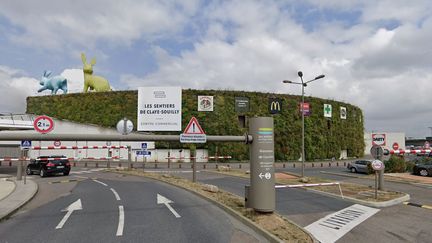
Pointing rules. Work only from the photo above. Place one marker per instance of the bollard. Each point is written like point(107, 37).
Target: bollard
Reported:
point(321, 164)
point(132, 166)
point(74, 164)
point(337, 164)
point(293, 165)
point(119, 164)
point(97, 165)
point(283, 165)
point(239, 166)
point(85, 164)
point(204, 166)
point(329, 164)
point(155, 166)
point(10, 163)
point(217, 167)
point(313, 165)
point(344, 164)
point(179, 165)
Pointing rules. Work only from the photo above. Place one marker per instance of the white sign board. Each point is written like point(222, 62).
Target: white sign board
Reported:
point(327, 110)
point(159, 108)
point(378, 139)
point(205, 103)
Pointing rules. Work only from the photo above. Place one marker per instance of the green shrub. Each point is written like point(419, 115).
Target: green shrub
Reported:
point(395, 164)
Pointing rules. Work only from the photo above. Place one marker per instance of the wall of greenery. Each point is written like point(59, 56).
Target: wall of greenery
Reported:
point(324, 137)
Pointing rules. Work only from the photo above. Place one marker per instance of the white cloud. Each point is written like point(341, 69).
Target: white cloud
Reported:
point(75, 78)
point(14, 89)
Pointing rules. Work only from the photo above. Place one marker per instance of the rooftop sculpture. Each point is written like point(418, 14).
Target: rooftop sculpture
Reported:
point(91, 81)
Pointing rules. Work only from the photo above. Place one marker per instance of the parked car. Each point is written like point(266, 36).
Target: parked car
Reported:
point(360, 166)
point(423, 169)
point(49, 165)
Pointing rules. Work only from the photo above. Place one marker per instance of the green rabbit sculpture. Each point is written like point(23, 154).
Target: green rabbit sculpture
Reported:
point(91, 81)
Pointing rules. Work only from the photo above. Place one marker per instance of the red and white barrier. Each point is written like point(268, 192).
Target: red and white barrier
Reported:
point(218, 157)
point(78, 147)
point(410, 151)
point(312, 185)
point(72, 158)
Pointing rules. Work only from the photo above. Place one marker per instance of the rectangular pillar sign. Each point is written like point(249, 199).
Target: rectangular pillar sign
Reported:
point(262, 194)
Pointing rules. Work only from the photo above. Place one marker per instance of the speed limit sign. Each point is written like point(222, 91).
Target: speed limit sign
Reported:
point(43, 124)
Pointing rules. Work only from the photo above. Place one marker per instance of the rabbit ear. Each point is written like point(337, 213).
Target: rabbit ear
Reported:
point(47, 73)
point(83, 58)
point(93, 61)
point(44, 74)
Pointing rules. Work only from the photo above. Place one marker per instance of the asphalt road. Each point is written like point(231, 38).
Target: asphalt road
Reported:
point(188, 218)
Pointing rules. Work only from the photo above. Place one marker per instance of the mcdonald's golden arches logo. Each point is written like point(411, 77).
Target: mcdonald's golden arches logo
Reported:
point(275, 105)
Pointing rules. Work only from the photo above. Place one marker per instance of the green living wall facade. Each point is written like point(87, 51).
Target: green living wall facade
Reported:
point(324, 137)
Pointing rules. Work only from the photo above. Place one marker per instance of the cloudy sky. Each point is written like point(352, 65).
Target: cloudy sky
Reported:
point(375, 54)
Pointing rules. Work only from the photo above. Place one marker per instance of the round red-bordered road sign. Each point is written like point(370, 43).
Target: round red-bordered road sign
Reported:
point(395, 146)
point(43, 124)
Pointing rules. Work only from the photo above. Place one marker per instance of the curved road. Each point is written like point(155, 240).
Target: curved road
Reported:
point(124, 209)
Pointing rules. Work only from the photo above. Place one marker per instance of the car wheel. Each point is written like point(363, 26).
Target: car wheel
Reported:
point(42, 173)
point(28, 171)
point(66, 173)
point(353, 170)
point(423, 172)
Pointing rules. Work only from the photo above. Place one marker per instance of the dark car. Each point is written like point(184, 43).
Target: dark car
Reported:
point(423, 169)
point(49, 165)
point(359, 166)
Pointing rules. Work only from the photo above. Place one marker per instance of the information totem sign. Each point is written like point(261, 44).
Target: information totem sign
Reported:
point(241, 104)
point(262, 193)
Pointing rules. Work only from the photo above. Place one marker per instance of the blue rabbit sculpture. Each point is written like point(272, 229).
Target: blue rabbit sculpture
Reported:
point(53, 83)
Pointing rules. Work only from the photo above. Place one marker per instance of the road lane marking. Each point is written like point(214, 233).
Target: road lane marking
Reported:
point(100, 182)
point(72, 207)
point(335, 225)
point(116, 194)
point(418, 205)
point(163, 200)
point(121, 221)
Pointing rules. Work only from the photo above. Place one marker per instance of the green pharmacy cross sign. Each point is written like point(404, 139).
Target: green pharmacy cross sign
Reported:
point(327, 110)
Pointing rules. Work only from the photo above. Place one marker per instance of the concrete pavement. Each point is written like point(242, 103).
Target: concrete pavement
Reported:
point(14, 194)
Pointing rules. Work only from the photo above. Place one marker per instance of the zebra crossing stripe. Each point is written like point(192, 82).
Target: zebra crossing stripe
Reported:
point(335, 225)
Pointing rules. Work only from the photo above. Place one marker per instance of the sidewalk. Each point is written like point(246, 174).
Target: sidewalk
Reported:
point(14, 194)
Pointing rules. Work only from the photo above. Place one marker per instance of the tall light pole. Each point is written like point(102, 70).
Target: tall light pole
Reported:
point(303, 84)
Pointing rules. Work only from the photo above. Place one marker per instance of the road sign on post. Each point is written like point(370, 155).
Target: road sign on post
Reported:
point(193, 133)
point(26, 144)
point(377, 152)
point(43, 124)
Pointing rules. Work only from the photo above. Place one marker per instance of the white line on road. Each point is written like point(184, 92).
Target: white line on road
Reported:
point(100, 182)
point(335, 225)
point(116, 194)
point(121, 221)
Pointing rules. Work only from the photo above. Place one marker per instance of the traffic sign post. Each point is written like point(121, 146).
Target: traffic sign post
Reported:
point(193, 133)
point(378, 166)
point(26, 144)
point(377, 152)
point(43, 124)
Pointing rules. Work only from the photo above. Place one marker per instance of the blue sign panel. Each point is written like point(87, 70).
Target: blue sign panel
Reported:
point(144, 145)
point(143, 153)
point(26, 143)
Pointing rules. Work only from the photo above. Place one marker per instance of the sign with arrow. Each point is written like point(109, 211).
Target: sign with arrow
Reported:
point(74, 206)
point(163, 200)
point(193, 133)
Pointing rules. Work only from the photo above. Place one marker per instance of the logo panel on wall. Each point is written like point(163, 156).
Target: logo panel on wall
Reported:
point(241, 104)
point(205, 103)
point(378, 139)
point(275, 105)
point(306, 109)
point(327, 110)
point(343, 113)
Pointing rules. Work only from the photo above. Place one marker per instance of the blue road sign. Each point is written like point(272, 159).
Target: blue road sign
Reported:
point(26, 143)
point(143, 153)
point(144, 145)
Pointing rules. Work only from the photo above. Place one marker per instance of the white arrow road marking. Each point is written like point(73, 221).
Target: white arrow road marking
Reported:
point(163, 200)
point(121, 221)
point(116, 194)
point(74, 206)
point(261, 175)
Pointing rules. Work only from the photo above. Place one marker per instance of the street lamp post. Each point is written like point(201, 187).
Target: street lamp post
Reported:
point(303, 84)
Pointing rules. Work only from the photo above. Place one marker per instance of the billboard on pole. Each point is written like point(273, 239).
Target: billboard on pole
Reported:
point(159, 108)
